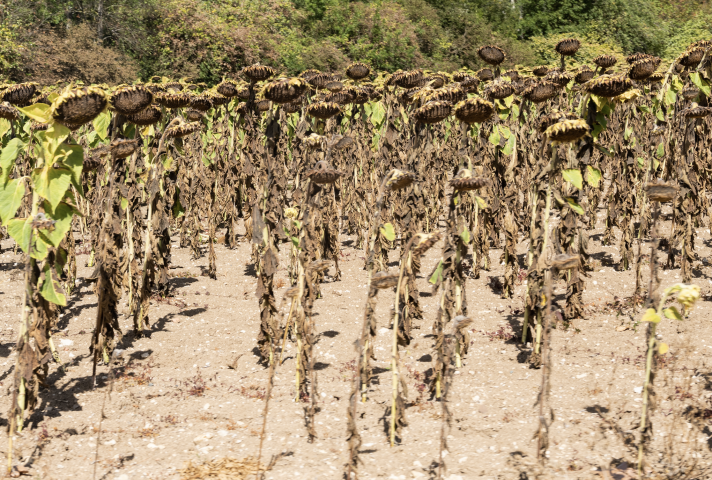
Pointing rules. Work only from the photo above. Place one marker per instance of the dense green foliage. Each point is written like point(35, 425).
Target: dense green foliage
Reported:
point(204, 40)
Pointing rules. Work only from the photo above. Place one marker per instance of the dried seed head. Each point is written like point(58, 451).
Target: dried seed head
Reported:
point(656, 77)
point(407, 96)
point(464, 181)
point(217, 99)
point(131, 100)
point(567, 131)
point(435, 81)
point(540, 91)
point(399, 179)
point(20, 94)
point(319, 266)
point(122, 148)
point(227, 88)
point(512, 74)
point(257, 73)
point(323, 110)
point(451, 94)
point(309, 73)
point(9, 112)
point(201, 102)
point(499, 90)
point(320, 80)
point(241, 108)
point(432, 112)
point(474, 110)
point(334, 86)
point(690, 92)
point(36, 126)
point(177, 86)
point(424, 242)
point(340, 142)
point(692, 56)
point(357, 71)
point(172, 99)
point(407, 79)
point(148, 116)
point(313, 141)
point(605, 61)
point(554, 117)
point(491, 54)
point(77, 107)
point(559, 78)
point(540, 71)
point(469, 84)
point(631, 59)
point(696, 112)
point(181, 129)
point(704, 44)
point(194, 115)
point(292, 107)
point(485, 74)
point(661, 192)
point(342, 98)
point(382, 280)
point(643, 68)
point(568, 46)
point(360, 95)
point(263, 105)
point(323, 173)
point(583, 75)
point(608, 85)
point(285, 90)
point(565, 262)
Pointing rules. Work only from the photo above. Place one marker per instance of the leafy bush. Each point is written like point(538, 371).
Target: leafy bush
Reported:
point(591, 47)
point(76, 57)
point(689, 32)
point(10, 51)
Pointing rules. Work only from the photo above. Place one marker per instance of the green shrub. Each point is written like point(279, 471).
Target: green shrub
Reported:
point(591, 47)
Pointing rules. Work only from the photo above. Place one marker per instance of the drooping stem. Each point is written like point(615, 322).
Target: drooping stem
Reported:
point(394, 352)
point(646, 387)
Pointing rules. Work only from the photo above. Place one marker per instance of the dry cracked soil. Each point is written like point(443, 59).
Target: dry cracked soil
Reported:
point(193, 390)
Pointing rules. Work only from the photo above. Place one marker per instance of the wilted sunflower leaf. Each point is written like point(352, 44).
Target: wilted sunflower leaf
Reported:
point(7, 157)
point(388, 232)
point(101, 124)
point(574, 205)
point(11, 195)
point(465, 236)
point(701, 83)
point(494, 137)
point(437, 274)
point(651, 316)
point(39, 112)
point(51, 289)
point(573, 176)
point(672, 313)
point(593, 176)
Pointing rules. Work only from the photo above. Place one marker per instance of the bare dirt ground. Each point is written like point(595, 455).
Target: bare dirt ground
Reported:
point(176, 398)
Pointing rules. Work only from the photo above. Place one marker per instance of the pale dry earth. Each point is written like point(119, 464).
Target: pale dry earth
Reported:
point(176, 400)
